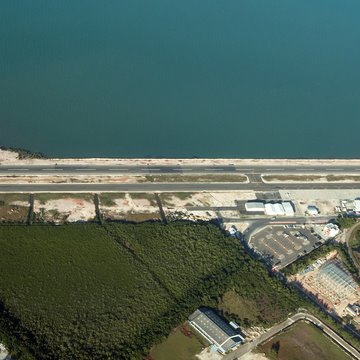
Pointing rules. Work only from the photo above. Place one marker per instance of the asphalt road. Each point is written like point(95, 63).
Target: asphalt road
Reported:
point(168, 187)
point(244, 349)
point(173, 169)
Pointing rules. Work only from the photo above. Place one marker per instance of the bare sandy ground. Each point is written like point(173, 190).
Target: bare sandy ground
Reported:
point(207, 354)
point(9, 157)
point(253, 356)
point(67, 209)
point(123, 206)
point(3, 352)
point(174, 205)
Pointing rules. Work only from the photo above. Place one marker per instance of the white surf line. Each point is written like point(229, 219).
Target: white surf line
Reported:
point(17, 169)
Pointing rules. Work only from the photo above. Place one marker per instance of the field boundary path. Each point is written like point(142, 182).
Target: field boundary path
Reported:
point(276, 329)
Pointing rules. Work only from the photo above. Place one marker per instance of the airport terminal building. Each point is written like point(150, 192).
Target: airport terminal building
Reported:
point(217, 331)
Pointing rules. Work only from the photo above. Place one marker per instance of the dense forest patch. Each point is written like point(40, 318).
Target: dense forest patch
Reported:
point(111, 292)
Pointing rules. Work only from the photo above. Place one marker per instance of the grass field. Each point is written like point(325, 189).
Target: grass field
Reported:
point(14, 213)
point(303, 342)
point(177, 346)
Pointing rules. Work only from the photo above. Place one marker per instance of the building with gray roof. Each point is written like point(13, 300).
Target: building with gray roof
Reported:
point(216, 330)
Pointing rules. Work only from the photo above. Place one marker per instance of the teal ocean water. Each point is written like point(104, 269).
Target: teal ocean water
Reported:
point(231, 78)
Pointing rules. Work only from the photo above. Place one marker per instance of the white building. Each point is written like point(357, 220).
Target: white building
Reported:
point(274, 209)
point(288, 207)
point(330, 230)
point(357, 205)
point(254, 206)
point(312, 210)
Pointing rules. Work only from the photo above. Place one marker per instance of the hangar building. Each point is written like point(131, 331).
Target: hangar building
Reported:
point(216, 330)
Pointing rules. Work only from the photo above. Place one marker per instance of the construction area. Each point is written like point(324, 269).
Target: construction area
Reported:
point(330, 283)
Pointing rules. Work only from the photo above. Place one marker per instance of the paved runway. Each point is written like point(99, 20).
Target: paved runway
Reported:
point(171, 169)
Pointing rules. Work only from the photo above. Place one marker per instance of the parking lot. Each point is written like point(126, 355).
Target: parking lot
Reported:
point(281, 245)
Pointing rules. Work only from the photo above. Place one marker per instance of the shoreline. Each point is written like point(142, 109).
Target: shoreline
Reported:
point(8, 157)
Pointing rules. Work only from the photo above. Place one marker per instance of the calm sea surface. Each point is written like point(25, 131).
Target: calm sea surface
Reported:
point(210, 78)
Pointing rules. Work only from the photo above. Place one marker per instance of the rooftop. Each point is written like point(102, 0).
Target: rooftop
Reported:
point(215, 329)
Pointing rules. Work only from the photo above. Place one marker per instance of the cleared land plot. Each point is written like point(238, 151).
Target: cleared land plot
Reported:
point(178, 346)
point(129, 206)
point(282, 246)
point(14, 207)
point(62, 207)
point(303, 342)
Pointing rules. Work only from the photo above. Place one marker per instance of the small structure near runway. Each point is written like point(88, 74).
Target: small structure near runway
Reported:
point(278, 208)
point(255, 207)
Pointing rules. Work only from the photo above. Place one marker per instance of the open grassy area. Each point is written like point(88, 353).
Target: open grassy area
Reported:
point(8, 198)
point(303, 342)
point(196, 178)
point(177, 346)
point(9, 212)
point(147, 196)
point(107, 199)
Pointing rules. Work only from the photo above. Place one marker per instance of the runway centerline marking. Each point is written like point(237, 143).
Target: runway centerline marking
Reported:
point(274, 169)
point(85, 169)
point(118, 169)
point(334, 169)
point(52, 169)
point(18, 169)
point(214, 169)
point(303, 169)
